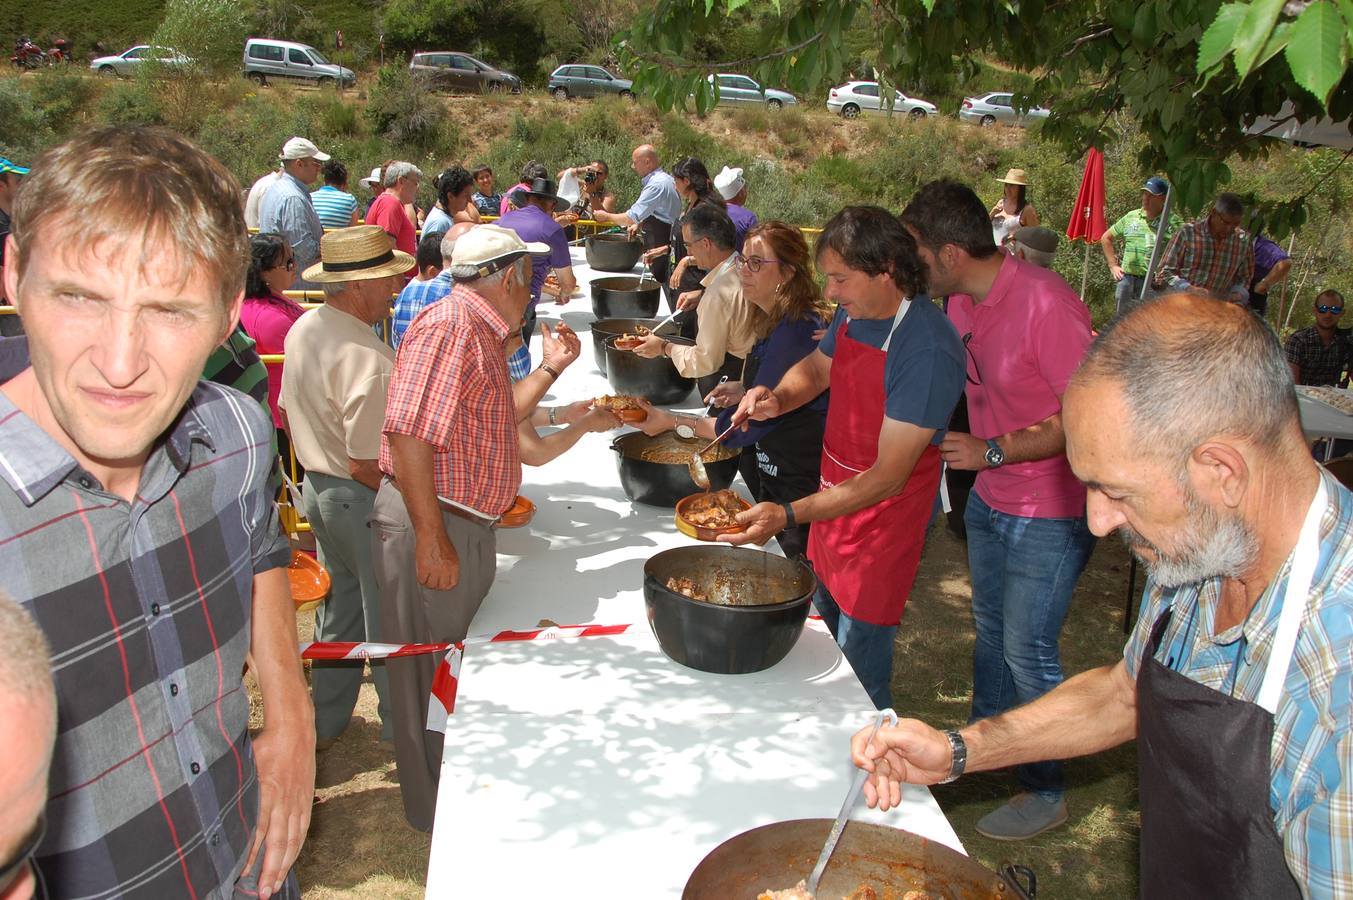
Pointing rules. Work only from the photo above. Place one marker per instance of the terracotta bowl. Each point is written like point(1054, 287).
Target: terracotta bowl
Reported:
point(309, 581)
point(520, 514)
point(703, 532)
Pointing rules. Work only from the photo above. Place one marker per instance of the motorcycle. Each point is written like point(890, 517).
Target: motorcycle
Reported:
point(59, 53)
point(28, 55)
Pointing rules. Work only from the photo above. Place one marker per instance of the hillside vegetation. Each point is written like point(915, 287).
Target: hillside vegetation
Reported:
point(802, 164)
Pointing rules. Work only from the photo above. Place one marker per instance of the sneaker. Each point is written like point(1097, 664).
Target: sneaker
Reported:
point(1023, 817)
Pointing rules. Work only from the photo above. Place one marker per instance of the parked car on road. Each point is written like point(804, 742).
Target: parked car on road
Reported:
point(266, 59)
point(988, 109)
point(126, 62)
point(855, 97)
point(739, 90)
point(451, 71)
point(587, 81)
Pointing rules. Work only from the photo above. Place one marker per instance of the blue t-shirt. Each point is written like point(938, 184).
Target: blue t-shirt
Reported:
point(534, 224)
point(924, 371)
point(437, 222)
point(776, 354)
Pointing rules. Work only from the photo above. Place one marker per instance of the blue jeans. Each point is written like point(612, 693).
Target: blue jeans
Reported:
point(1023, 571)
point(868, 648)
point(1127, 291)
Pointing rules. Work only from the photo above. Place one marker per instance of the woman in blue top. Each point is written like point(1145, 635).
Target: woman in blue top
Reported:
point(784, 453)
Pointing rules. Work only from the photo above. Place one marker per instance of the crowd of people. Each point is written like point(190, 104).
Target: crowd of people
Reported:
point(854, 375)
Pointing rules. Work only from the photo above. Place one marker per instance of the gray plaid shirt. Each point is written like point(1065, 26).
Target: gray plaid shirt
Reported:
point(147, 607)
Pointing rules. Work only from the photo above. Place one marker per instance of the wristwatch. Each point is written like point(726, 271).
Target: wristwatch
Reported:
point(684, 431)
point(994, 455)
point(960, 756)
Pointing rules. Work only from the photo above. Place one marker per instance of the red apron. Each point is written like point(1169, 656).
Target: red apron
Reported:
point(867, 559)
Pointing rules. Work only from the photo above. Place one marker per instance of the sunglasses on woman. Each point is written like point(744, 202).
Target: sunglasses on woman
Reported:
point(1329, 309)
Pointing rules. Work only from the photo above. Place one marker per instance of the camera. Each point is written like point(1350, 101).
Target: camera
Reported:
point(590, 176)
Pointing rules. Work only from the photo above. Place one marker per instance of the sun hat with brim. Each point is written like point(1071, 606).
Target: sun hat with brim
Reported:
point(300, 148)
point(359, 253)
point(1014, 176)
point(486, 249)
point(544, 189)
point(9, 168)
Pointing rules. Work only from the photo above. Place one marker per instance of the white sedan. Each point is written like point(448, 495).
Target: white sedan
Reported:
point(126, 62)
point(855, 97)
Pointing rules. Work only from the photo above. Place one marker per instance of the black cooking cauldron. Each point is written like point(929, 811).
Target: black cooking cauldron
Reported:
point(656, 380)
point(612, 252)
point(625, 297)
point(663, 483)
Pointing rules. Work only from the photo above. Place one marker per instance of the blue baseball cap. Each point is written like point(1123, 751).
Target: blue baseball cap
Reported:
point(6, 167)
point(1156, 185)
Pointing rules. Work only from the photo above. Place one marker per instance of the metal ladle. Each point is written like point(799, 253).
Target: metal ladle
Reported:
point(696, 465)
point(840, 824)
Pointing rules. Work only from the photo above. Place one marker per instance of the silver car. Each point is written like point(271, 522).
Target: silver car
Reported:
point(739, 90)
point(998, 106)
point(126, 62)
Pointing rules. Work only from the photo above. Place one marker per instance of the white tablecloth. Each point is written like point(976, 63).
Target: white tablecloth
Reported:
point(1319, 420)
point(598, 765)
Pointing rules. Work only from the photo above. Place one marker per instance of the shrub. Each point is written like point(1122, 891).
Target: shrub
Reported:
point(24, 127)
point(405, 113)
point(131, 103)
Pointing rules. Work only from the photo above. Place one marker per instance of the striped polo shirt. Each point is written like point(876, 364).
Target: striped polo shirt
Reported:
point(334, 207)
point(147, 607)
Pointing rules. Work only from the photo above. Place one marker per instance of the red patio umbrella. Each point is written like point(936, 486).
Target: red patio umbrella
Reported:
point(1087, 220)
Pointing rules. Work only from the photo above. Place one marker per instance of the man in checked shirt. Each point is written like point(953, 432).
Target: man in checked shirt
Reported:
point(1237, 682)
point(138, 531)
point(1211, 255)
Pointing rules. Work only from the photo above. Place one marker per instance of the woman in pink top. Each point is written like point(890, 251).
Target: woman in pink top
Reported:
point(267, 315)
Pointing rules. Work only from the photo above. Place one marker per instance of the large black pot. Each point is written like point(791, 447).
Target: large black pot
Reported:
point(613, 252)
point(625, 297)
point(663, 483)
point(656, 380)
point(721, 638)
point(609, 328)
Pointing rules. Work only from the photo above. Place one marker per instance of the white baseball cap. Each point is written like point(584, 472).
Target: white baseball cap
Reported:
point(729, 182)
point(373, 179)
point(300, 148)
point(487, 249)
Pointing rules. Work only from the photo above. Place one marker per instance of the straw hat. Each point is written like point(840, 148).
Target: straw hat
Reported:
point(1014, 176)
point(359, 253)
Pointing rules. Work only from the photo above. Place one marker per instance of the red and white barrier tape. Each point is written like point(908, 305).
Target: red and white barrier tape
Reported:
point(446, 680)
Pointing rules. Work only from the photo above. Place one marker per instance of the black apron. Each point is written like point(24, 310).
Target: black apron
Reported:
point(657, 233)
point(732, 368)
point(785, 464)
point(1204, 774)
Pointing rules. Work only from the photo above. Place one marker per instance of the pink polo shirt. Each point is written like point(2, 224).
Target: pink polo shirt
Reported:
point(1027, 338)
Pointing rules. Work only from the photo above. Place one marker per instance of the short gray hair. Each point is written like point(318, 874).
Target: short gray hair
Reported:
point(1229, 205)
point(400, 169)
point(1038, 257)
point(25, 662)
point(1194, 367)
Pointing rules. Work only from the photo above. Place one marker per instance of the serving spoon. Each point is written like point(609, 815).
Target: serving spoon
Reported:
point(840, 824)
point(696, 466)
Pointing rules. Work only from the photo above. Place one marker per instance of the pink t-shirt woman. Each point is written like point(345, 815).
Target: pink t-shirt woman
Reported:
point(267, 316)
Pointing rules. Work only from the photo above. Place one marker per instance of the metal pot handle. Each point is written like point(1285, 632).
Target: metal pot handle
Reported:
point(1020, 880)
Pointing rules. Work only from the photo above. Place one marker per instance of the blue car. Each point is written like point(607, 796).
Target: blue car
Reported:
point(587, 81)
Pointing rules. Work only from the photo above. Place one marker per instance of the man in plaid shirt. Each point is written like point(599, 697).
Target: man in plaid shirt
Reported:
point(1237, 682)
point(452, 467)
point(140, 534)
point(1211, 254)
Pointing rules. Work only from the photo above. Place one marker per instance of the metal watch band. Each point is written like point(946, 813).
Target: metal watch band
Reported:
point(960, 756)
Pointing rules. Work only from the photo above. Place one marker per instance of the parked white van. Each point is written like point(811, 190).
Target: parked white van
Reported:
point(265, 59)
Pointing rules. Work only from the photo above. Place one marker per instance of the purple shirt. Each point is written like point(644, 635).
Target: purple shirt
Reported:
point(534, 224)
point(743, 221)
point(1267, 254)
point(267, 320)
point(1024, 341)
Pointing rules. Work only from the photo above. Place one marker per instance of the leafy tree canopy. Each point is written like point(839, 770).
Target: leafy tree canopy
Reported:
point(1196, 74)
